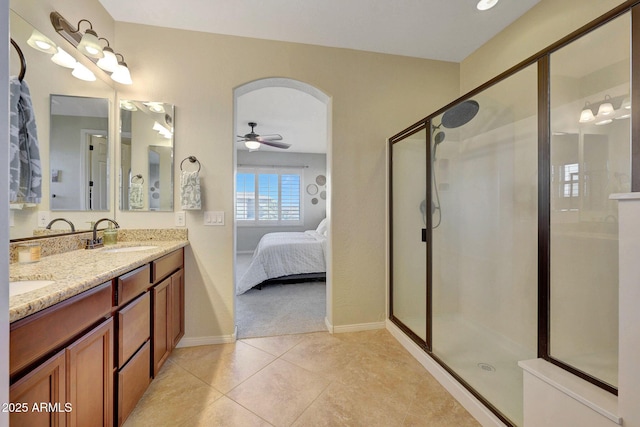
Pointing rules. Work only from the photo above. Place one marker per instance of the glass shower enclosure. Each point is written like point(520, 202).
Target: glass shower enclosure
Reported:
point(503, 240)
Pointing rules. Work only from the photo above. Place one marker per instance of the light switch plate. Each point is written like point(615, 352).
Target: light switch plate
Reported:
point(214, 218)
point(180, 219)
point(43, 218)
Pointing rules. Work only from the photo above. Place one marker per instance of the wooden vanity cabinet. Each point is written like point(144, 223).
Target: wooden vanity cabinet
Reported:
point(133, 331)
point(73, 388)
point(167, 306)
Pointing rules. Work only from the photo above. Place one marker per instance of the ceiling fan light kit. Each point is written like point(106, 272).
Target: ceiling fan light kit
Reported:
point(253, 141)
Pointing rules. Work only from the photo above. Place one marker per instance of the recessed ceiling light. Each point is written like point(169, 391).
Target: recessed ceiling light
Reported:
point(486, 4)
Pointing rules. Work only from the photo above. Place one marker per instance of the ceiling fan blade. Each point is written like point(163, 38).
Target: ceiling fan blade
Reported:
point(276, 144)
point(273, 137)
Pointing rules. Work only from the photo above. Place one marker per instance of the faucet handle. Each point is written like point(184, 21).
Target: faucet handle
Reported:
point(93, 244)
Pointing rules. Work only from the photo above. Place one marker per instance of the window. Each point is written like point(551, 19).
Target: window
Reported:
point(268, 197)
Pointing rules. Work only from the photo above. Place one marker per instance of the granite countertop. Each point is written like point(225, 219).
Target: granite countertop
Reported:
point(77, 271)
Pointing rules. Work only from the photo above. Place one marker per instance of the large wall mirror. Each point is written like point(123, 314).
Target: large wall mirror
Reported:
point(79, 154)
point(146, 156)
point(70, 115)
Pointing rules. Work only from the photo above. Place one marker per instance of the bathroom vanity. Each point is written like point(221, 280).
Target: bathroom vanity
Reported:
point(84, 348)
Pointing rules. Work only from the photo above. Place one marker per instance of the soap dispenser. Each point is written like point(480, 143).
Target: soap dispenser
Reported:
point(110, 236)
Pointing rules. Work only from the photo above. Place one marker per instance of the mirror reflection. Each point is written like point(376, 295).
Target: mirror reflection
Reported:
point(146, 156)
point(79, 154)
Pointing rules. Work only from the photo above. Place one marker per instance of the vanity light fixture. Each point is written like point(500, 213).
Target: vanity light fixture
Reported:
point(121, 73)
point(63, 59)
point(108, 62)
point(606, 108)
point(486, 4)
point(154, 107)
point(83, 73)
point(128, 105)
point(40, 42)
point(89, 44)
point(586, 115)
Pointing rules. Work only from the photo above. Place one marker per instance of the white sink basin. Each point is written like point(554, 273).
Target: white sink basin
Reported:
point(129, 249)
point(24, 286)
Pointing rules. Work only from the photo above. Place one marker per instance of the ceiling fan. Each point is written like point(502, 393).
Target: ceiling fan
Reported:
point(253, 141)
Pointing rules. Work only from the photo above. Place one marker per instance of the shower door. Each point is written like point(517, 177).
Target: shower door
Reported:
point(484, 239)
point(408, 217)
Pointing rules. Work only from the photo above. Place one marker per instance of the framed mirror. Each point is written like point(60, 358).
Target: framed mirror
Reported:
point(79, 154)
point(146, 156)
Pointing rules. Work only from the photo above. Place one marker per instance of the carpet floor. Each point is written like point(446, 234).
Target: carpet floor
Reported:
point(280, 309)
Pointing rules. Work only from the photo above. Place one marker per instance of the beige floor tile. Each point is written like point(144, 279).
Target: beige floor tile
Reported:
point(348, 405)
point(280, 392)
point(173, 396)
point(224, 412)
point(224, 368)
point(323, 353)
point(277, 345)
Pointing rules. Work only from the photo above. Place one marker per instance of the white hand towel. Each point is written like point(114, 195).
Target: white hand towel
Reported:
point(136, 196)
point(190, 190)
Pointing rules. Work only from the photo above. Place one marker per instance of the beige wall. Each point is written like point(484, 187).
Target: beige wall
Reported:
point(544, 24)
point(373, 97)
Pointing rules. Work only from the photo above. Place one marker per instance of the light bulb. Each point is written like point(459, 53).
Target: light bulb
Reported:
point(122, 74)
point(83, 73)
point(586, 115)
point(63, 59)
point(252, 145)
point(90, 46)
point(40, 42)
point(486, 4)
point(108, 62)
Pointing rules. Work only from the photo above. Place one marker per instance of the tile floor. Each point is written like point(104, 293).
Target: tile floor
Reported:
point(315, 379)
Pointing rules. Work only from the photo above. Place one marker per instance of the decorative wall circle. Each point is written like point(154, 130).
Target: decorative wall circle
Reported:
point(314, 201)
point(312, 189)
point(321, 180)
point(323, 195)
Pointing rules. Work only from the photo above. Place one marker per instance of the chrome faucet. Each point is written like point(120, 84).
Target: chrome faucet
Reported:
point(48, 227)
point(96, 242)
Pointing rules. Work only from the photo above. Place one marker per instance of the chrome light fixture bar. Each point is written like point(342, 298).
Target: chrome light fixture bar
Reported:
point(88, 43)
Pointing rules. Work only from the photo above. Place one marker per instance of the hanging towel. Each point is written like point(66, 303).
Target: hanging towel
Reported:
point(190, 190)
point(136, 195)
point(25, 173)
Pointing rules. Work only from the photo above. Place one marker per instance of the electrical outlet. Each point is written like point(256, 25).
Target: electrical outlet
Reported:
point(43, 218)
point(180, 219)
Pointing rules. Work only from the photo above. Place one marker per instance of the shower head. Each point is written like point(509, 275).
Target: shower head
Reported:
point(460, 115)
point(438, 137)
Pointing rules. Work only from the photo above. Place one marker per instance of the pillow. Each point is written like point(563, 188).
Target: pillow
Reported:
point(322, 227)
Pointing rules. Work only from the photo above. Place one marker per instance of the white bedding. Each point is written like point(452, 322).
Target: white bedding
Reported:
point(284, 254)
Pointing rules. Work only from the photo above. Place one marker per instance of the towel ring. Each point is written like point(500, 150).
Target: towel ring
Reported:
point(23, 62)
point(191, 159)
point(139, 177)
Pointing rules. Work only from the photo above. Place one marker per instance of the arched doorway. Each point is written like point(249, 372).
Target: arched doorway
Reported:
point(300, 113)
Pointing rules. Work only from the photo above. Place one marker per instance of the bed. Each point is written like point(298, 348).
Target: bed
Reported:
point(286, 256)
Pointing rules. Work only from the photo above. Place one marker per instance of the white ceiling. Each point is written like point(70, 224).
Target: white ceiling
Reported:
point(447, 30)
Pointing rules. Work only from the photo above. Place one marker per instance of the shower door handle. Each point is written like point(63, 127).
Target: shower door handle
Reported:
point(424, 235)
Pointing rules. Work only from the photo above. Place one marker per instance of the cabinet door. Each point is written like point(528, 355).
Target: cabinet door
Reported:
point(90, 378)
point(177, 307)
point(43, 385)
point(161, 334)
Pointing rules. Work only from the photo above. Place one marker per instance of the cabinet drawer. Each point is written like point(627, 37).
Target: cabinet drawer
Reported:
point(133, 380)
point(132, 284)
point(33, 337)
point(166, 265)
point(134, 327)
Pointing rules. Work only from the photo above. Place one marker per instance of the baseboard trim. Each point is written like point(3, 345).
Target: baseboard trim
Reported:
point(480, 412)
point(358, 327)
point(217, 339)
point(328, 325)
